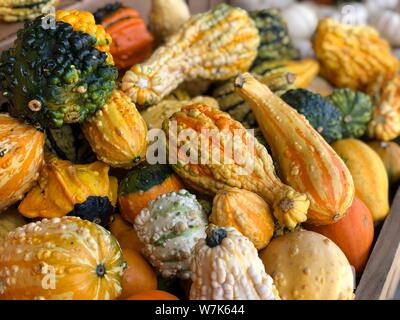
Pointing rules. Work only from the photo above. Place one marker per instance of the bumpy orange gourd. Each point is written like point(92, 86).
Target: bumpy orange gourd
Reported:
point(117, 132)
point(385, 123)
point(61, 259)
point(246, 212)
point(243, 164)
point(353, 234)
point(21, 157)
point(306, 161)
point(352, 56)
point(63, 184)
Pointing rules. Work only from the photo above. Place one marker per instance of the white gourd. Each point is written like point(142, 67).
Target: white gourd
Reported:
point(374, 6)
point(352, 14)
point(301, 19)
point(169, 228)
point(305, 47)
point(226, 266)
point(388, 25)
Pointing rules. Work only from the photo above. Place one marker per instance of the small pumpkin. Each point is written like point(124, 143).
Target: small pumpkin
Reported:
point(389, 152)
point(253, 170)
point(10, 220)
point(117, 132)
point(63, 264)
point(306, 265)
point(21, 158)
point(369, 175)
point(353, 234)
point(246, 212)
point(125, 233)
point(153, 295)
point(138, 276)
point(144, 184)
point(226, 266)
point(170, 227)
point(87, 191)
point(301, 19)
point(340, 48)
point(356, 111)
point(132, 42)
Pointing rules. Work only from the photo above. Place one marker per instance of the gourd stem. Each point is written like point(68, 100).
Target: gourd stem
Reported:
point(215, 237)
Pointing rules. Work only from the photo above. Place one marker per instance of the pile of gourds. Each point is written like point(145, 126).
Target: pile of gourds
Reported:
point(85, 214)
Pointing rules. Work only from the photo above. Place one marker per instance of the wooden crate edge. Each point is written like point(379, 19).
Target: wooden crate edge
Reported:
point(381, 276)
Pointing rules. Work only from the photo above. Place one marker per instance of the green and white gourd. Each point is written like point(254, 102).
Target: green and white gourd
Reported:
point(170, 227)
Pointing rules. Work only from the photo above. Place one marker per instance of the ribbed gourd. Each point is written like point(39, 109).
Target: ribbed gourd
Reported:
point(215, 45)
point(226, 155)
point(226, 266)
point(170, 227)
point(306, 161)
point(65, 188)
point(321, 113)
point(20, 10)
point(385, 123)
point(21, 158)
point(245, 211)
point(356, 111)
point(275, 43)
point(280, 76)
point(352, 56)
point(71, 259)
point(69, 143)
point(56, 74)
point(132, 42)
point(117, 132)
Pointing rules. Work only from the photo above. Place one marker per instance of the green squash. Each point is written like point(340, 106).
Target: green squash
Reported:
point(53, 76)
point(275, 41)
point(322, 114)
point(356, 109)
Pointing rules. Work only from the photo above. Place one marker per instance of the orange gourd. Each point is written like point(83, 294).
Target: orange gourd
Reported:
point(21, 157)
point(125, 233)
point(306, 161)
point(153, 295)
point(61, 259)
point(144, 184)
point(132, 42)
point(138, 276)
point(353, 234)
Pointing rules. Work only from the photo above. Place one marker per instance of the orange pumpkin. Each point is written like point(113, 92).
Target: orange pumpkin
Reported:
point(144, 184)
point(125, 233)
point(153, 295)
point(353, 234)
point(138, 276)
point(71, 259)
point(21, 157)
point(132, 42)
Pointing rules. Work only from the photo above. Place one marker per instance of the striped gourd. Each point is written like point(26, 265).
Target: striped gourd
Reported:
point(234, 158)
point(279, 76)
point(385, 123)
point(20, 10)
point(275, 43)
point(215, 45)
point(306, 161)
